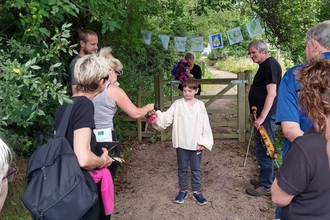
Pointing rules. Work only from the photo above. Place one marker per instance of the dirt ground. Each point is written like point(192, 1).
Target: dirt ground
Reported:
point(148, 183)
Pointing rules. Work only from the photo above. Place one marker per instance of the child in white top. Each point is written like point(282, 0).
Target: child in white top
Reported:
point(191, 134)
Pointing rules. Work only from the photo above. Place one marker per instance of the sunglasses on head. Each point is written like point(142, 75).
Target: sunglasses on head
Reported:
point(12, 171)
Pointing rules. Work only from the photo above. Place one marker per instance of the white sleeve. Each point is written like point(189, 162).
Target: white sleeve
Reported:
point(164, 119)
point(207, 135)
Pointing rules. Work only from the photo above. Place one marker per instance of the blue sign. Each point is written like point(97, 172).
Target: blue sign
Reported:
point(216, 41)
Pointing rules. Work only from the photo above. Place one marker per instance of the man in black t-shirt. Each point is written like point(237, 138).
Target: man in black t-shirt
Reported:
point(263, 95)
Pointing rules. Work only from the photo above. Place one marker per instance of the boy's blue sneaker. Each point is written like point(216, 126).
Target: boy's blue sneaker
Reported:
point(183, 194)
point(199, 198)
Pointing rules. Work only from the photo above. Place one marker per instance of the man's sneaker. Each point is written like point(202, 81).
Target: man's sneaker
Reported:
point(199, 198)
point(259, 191)
point(255, 183)
point(183, 194)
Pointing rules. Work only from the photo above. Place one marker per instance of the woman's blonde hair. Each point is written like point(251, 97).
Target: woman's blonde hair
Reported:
point(116, 65)
point(314, 96)
point(113, 62)
point(89, 70)
point(106, 52)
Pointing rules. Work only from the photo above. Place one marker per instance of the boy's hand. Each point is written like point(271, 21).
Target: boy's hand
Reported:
point(201, 147)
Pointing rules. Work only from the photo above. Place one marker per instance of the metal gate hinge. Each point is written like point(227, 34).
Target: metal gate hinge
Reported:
point(239, 81)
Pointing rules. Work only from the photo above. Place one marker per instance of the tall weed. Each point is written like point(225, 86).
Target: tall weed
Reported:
point(239, 64)
point(235, 65)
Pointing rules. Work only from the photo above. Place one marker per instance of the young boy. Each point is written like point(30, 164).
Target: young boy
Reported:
point(190, 135)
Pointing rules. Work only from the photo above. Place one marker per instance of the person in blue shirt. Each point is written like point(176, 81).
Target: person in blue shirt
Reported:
point(289, 115)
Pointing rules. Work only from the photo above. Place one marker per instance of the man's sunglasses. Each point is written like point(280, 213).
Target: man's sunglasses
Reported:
point(12, 171)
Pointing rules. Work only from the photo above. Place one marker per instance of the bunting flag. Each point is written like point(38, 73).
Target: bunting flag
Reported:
point(146, 36)
point(216, 41)
point(234, 35)
point(254, 28)
point(180, 44)
point(197, 44)
point(165, 40)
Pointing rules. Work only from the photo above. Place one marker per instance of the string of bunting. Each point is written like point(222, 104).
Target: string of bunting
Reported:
point(215, 40)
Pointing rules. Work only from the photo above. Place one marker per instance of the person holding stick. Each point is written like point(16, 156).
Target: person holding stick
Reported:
point(262, 95)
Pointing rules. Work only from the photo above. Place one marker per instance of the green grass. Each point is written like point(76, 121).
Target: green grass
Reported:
point(239, 64)
point(235, 65)
point(14, 208)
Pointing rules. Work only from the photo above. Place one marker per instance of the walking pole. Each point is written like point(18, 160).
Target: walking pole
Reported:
point(275, 161)
point(247, 150)
point(171, 91)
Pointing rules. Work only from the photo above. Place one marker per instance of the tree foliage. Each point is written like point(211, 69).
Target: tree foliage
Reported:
point(30, 82)
point(287, 22)
point(38, 39)
point(202, 6)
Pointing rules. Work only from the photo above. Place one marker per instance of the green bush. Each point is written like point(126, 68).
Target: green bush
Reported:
point(31, 87)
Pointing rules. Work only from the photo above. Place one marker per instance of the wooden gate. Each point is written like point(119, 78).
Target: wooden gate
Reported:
point(230, 120)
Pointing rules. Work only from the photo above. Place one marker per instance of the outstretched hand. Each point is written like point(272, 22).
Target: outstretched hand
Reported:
point(150, 106)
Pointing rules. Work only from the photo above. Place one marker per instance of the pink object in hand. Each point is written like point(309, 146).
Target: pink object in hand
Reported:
point(151, 116)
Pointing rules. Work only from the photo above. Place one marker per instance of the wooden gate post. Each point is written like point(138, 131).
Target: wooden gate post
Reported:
point(156, 89)
point(203, 66)
point(139, 121)
point(248, 76)
point(159, 97)
point(241, 104)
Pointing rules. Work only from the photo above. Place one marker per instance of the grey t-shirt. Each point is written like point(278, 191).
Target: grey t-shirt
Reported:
point(71, 70)
point(105, 110)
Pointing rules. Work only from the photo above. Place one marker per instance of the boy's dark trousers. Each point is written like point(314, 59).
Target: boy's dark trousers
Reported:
point(184, 158)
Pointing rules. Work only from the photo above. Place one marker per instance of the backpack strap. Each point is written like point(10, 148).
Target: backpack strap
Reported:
point(43, 137)
point(62, 128)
